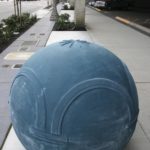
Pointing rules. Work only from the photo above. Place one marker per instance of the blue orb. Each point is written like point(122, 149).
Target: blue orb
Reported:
point(74, 95)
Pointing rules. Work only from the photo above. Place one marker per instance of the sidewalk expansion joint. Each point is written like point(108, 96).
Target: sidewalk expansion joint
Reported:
point(142, 82)
point(148, 138)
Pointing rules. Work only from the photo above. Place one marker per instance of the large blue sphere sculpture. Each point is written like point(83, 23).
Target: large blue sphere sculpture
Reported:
point(74, 95)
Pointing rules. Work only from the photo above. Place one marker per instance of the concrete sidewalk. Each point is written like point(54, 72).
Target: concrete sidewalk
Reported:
point(133, 48)
point(13, 57)
point(128, 44)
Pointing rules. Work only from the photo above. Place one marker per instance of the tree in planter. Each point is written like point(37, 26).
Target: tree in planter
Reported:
point(17, 7)
point(63, 23)
point(80, 14)
point(17, 10)
point(54, 14)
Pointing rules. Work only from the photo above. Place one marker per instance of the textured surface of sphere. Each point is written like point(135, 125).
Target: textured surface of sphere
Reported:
point(74, 95)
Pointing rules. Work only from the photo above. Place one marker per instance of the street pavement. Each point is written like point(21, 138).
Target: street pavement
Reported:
point(7, 7)
point(135, 18)
point(140, 17)
point(128, 44)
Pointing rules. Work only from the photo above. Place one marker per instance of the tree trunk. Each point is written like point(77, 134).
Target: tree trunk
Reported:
point(54, 14)
point(20, 12)
point(15, 7)
point(72, 2)
point(20, 7)
point(80, 13)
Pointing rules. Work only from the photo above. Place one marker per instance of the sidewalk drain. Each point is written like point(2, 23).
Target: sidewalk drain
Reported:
point(16, 66)
point(6, 66)
point(29, 43)
point(42, 34)
point(23, 49)
point(32, 34)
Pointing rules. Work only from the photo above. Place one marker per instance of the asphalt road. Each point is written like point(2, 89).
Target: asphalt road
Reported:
point(7, 8)
point(135, 15)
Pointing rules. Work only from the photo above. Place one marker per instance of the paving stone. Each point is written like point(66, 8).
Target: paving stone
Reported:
point(138, 141)
point(4, 110)
point(144, 101)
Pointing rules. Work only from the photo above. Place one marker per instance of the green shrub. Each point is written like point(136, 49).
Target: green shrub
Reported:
point(10, 23)
point(1, 34)
point(17, 24)
point(33, 19)
point(14, 24)
point(71, 7)
point(7, 33)
point(66, 7)
point(63, 23)
point(25, 19)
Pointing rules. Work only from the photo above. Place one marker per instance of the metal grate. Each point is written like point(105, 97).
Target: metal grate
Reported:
point(16, 66)
point(22, 49)
point(32, 34)
point(5, 66)
point(42, 34)
point(29, 43)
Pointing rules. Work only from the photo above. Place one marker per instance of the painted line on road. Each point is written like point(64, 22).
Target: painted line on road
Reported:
point(134, 25)
point(98, 9)
point(122, 20)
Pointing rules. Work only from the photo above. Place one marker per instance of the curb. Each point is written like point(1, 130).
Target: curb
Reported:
point(135, 26)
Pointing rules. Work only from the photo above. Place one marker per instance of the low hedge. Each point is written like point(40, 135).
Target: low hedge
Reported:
point(63, 24)
point(13, 26)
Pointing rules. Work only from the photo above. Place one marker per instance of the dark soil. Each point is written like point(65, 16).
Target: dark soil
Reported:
point(13, 38)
